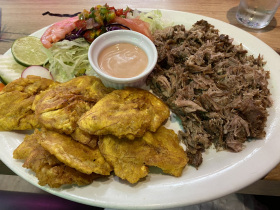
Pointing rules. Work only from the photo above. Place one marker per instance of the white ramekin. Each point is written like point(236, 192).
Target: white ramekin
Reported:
point(122, 36)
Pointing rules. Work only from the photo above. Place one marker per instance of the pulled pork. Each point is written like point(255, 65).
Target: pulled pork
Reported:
point(218, 91)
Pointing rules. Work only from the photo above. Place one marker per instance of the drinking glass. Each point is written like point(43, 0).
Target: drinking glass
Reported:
point(256, 13)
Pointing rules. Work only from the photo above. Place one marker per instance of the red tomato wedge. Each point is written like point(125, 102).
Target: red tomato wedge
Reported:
point(1, 86)
point(135, 25)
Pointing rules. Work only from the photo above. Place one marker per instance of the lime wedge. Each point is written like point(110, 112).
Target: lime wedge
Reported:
point(27, 51)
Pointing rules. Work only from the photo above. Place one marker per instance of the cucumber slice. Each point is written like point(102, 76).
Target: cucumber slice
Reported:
point(9, 68)
point(2, 81)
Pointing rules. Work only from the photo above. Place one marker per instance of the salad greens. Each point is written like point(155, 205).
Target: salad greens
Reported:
point(154, 18)
point(69, 59)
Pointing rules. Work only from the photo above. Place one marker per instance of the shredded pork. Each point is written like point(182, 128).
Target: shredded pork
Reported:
point(218, 91)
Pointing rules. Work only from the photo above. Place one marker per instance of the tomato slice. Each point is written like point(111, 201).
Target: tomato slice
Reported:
point(135, 25)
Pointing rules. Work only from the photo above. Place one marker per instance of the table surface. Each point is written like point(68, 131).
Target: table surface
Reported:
point(23, 17)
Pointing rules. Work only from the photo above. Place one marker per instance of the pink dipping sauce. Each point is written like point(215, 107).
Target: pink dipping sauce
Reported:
point(123, 60)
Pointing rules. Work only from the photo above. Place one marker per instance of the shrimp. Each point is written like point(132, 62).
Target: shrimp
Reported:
point(58, 31)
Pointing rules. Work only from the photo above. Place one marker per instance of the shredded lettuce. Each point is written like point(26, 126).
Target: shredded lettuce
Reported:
point(69, 59)
point(154, 18)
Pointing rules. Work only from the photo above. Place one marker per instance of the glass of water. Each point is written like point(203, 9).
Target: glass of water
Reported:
point(256, 13)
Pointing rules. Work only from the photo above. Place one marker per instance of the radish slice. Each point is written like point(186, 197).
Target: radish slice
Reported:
point(37, 71)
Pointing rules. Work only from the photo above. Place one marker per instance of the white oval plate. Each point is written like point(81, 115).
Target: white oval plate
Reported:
point(220, 174)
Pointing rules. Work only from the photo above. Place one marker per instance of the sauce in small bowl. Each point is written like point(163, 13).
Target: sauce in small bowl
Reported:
point(117, 60)
point(122, 58)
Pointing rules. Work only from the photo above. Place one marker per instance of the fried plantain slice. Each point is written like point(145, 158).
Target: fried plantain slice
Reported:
point(25, 148)
point(131, 159)
point(60, 107)
point(48, 169)
point(74, 154)
point(125, 113)
point(16, 101)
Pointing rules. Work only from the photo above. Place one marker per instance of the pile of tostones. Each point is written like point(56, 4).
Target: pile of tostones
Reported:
point(84, 131)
